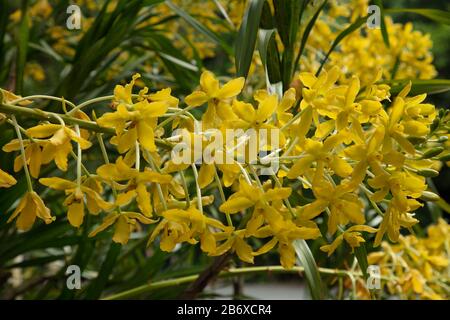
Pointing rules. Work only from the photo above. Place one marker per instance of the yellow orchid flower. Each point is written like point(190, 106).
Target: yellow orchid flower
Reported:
point(218, 98)
point(136, 182)
point(212, 92)
point(7, 96)
point(58, 144)
point(6, 180)
point(136, 121)
point(284, 234)
point(249, 196)
point(30, 207)
point(352, 236)
point(344, 205)
point(75, 199)
point(124, 223)
point(33, 154)
point(180, 226)
point(321, 153)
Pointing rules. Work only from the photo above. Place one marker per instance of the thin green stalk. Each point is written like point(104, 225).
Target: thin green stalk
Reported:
point(86, 103)
point(186, 191)
point(198, 189)
point(138, 157)
point(158, 186)
point(368, 193)
point(106, 159)
point(222, 194)
point(232, 272)
point(286, 201)
point(33, 97)
point(174, 116)
point(79, 155)
point(51, 116)
point(298, 115)
point(22, 151)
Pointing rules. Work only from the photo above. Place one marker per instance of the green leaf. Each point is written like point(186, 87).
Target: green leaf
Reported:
point(269, 54)
point(287, 17)
point(22, 47)
point(179, 62)
point(354, 26)
point(96, 287)
point(311, 272)
point(107, 33)
point(173, 59)
point(383, 27)
point(420, 86)
point(307, 32)
point(194, 23)
point(436, 15)
point(36, 261)
point(3, 25)
point(84, 251)
point(444, 205)
point(361, 256)
point(246, 39)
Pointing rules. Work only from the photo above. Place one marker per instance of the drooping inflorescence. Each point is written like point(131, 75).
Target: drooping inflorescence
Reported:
point(340, 149)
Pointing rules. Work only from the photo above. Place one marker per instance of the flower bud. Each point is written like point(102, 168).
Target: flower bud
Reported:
point(430, 153)
point(428, 173)
point(429, 196)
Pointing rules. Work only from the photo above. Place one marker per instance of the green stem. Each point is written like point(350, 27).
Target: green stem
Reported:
point(52, 116)
point(222, 194)
point(298, 115)
point(33, 97)
point(197, 186)
point(106, 159)
point(174, 116)
point(286, 201)
point(186, 191)
point(158, 186)
point(22, 151)
point(224, 274)
point(79, 155)
point(86, 103)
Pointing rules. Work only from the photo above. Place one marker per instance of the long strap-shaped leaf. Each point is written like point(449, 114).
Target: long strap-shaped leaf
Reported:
point(420, 86)
point(306, 33)
point(194, 23)
point(246, 40)
point(22, 47)
point(383, 27)
point(439, 16)
point(311, 272)
point(96, 287)
point(354, 26)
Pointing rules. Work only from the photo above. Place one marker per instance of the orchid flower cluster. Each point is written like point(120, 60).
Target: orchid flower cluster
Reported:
point(416, 267)
point(343, 148)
